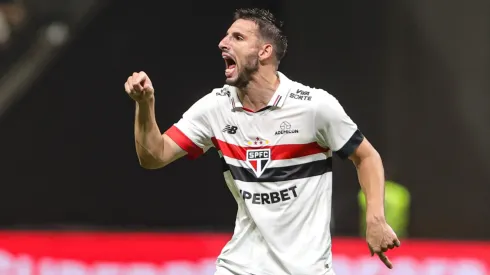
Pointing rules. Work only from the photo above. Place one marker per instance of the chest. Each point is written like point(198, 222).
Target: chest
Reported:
point(267, 128)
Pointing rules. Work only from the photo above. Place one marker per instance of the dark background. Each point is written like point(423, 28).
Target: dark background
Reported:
point(414, 75)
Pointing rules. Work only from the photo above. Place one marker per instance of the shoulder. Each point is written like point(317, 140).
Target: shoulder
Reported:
point(320, 104)
point(210, 101)
point(219, 96)
point(314, 98)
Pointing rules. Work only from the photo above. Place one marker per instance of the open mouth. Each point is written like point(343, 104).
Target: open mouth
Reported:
point(230, 65)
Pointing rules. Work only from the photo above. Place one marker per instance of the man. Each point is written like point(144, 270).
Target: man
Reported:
point(276, 138)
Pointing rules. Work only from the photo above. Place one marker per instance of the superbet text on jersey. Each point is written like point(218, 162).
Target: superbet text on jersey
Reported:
point(278, 166)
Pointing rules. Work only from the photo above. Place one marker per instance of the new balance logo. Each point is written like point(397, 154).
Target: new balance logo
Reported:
point(230, 129)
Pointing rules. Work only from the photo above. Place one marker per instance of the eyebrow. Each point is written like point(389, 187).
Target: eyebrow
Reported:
point(235, 33)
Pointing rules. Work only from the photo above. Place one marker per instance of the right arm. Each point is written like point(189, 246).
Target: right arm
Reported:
point(154, 150)
point(190, 136)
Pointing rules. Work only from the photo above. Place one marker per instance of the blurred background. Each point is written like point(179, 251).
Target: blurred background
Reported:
point(414, 75)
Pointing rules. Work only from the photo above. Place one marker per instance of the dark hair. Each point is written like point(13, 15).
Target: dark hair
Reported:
point(269, 28)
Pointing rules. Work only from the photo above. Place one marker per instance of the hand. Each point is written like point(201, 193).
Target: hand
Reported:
point(381, 237)
point(139, 87)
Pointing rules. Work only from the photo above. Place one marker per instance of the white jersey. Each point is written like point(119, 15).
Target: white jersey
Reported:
point(277, 163)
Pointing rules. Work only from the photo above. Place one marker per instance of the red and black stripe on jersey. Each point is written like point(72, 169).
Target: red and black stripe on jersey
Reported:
point(278, 152)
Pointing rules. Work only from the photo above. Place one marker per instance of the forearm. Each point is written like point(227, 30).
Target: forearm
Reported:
point(148, 138)
point(371, 178)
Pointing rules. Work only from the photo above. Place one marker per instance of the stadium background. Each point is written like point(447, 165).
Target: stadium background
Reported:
point(413, 74)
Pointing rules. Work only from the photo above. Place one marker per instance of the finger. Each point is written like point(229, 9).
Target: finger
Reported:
point(371, 250)
point(140, 77)
point(391, 246)
point(385, 260)
point(133, 79)
point(384, 248)
point(148, 87)
point(376, 249)
point(136, 86)
point(137, 81)
point(130, 83)
point(397, 242)
point(135, 75)
point(126, 88)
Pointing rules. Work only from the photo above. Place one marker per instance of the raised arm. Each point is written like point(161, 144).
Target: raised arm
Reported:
point(154, 150)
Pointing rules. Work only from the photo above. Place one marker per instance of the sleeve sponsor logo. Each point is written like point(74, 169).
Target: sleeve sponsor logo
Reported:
point(223, 92)
point(301, 95)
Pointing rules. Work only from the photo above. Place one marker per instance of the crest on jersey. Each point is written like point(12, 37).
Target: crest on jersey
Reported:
point(258, 160)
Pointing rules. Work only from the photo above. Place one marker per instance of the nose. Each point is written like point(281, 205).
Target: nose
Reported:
point(223, 44)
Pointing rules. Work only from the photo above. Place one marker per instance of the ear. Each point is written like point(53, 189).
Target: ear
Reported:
point(265, 52)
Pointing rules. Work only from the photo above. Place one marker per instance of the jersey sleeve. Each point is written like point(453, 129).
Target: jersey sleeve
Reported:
point(193, 131)
point(334, 128)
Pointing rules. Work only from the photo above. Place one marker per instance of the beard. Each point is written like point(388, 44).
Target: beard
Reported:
point(246, 72)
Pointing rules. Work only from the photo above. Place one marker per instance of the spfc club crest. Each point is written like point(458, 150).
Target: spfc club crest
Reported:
point(258, 159)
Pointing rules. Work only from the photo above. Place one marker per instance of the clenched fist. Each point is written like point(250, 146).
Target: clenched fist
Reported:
point(139, 87)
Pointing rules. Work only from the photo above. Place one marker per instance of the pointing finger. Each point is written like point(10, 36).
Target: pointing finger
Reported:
point(385, 260)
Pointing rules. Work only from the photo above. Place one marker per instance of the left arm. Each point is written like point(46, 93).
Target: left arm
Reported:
point(379, 235)
point(371, 178)
point(336, 130)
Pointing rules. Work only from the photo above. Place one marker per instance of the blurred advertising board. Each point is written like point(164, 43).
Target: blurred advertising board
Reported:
point(96, 253)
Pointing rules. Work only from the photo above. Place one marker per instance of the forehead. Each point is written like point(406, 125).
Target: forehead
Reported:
point(243, 26)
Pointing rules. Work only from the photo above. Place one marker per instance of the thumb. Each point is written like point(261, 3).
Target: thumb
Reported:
point(148, 87)
point(371, 250)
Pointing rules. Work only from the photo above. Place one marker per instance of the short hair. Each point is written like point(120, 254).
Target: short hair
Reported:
point(269, 28)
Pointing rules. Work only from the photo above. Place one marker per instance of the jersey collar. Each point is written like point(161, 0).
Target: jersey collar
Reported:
point(277, 99)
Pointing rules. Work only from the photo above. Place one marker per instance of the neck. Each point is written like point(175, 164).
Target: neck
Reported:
point(259, 91)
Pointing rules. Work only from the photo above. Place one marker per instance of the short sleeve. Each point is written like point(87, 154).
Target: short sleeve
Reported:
point(193, 131)
point(334, 128)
